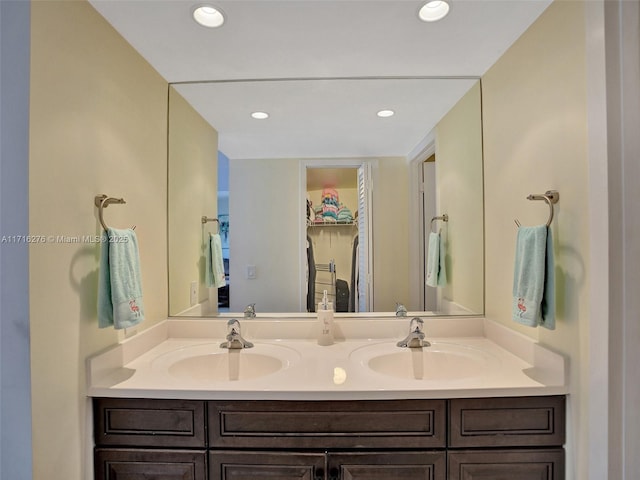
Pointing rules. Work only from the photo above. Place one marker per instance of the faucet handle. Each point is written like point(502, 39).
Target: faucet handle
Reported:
point(401, 310)
point(416, 325)
point(250, 311)
point(234, 338)
point(233, 326)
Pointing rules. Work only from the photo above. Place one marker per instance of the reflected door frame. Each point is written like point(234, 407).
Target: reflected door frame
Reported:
point(302, 242)
point(417, 228)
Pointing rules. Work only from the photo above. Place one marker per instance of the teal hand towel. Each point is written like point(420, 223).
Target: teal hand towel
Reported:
point(119, 281)
point(436, 272)
point(214, 264)
point(533, 280)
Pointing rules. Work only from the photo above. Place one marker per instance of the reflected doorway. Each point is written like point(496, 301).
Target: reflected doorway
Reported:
point(337, 237)
point(223, 222)
point(429, 209)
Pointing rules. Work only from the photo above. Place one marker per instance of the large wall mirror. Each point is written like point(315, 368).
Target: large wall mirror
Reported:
point(344, 187)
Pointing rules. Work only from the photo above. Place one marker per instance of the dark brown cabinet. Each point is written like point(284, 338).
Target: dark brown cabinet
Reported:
point(481, 430)
point(149, 423)
point(507, 422)
point(287, 465)
point(138, 464)
point(507, 465)
point(328, 424)
point(470, 439)
point(251, 465)
point(387, 466)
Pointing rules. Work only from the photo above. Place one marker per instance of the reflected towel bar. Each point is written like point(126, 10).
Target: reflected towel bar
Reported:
point(444, 218)
point(209, 219)
point(550, 196)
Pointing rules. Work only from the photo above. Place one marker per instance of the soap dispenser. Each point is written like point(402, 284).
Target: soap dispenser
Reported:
point(325, 319)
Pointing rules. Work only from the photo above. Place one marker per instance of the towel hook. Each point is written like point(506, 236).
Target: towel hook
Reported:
point(207, 219)
point(102, 202)
point(550, 196)
point(444, 218)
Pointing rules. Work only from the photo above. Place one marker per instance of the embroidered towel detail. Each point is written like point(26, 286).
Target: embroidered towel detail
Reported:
point(533, 281)
point(119, 280)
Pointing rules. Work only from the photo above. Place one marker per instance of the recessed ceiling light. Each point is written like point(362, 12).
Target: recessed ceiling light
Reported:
point(260, 115)
point(434, 10)
point(208, 16)
point(386, 113)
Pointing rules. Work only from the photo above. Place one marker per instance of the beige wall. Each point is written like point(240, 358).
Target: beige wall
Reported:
point(390, 219)
point(193, 183)
point(535, 139)
point(459, 181)
point(98, 125)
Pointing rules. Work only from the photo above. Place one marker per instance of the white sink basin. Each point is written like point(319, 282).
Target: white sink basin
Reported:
point(210, 363)
point(439, 362)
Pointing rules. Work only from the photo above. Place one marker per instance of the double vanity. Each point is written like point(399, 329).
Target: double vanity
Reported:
point(480, 402)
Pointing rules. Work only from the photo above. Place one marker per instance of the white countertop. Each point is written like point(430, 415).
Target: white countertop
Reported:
point(475, 358)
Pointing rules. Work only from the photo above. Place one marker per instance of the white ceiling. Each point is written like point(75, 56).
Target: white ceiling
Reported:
point(321, 39)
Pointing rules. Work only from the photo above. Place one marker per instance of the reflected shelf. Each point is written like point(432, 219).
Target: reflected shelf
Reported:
point(331, 224)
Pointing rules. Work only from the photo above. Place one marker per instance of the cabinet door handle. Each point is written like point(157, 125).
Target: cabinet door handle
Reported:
point(334, 474)
point(319, 474)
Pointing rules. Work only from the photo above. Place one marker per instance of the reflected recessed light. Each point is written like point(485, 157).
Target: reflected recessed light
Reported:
point(208, 16)
point(434, 10)
point(260, 115)
point(386, 113)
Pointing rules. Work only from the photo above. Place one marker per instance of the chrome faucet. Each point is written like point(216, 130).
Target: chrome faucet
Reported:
point(415, 339)
point(401, 310)
point(250, 311)
point(234, 339)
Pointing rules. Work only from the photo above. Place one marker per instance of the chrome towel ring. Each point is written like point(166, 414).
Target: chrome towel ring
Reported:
point(102, 202)
point(444, 218)
point(550, 196)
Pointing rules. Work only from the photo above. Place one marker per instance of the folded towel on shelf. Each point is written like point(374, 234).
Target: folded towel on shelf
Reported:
point(214, 263)
point(330, 194)
point(330, 213)
point(345, 215)
point(119, 280)
point(436, 272)
point(533, 280)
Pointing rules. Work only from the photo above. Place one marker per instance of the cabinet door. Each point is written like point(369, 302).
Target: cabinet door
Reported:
point(507, 422)
point(374, 424)
point(138, 422)
point(387, 466)
point(134, 464)
point(251, 465)
point(507, 465)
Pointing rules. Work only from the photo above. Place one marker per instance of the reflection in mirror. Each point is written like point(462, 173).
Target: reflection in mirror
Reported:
point(337, 238)
point(292, 181)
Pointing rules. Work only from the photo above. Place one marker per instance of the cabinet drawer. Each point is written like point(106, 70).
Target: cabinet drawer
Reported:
point(507, 464)
point(328, 424)
point(251, 465)
point(150, 423)
point(513, 422)
point(388, 465)
point(131, 464)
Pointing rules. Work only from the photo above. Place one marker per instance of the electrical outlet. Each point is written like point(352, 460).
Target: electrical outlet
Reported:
point(251, 272)
point(193, 295)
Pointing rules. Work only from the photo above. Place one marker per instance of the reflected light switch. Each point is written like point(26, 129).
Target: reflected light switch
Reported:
point(251, 272)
